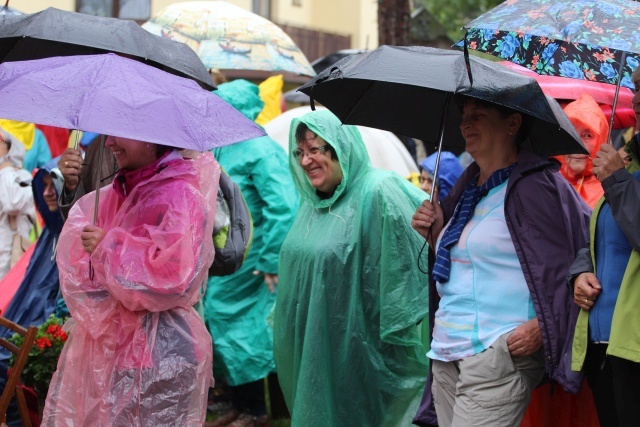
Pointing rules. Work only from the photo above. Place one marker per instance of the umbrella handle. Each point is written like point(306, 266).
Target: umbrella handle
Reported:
point(615, 98)
point(77, 141)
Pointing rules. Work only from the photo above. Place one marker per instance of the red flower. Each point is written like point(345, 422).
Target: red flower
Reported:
point(56, 332)
point(53, 329)
point(589, 75)
point(599, 57)
point(43, 342)
point(534, 62)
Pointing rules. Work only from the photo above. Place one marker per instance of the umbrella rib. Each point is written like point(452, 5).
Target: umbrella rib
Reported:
point(355, 107)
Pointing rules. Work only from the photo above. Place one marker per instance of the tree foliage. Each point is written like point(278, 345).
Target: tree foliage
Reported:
point(454, 14)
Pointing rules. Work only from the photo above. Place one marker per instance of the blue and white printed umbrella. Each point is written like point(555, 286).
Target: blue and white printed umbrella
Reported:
point(592, 40)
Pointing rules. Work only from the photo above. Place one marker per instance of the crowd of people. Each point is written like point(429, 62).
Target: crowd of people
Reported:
point(532, 267)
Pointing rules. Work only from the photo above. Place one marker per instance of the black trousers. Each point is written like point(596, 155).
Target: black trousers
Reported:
point(249, 398)
point(615, 384)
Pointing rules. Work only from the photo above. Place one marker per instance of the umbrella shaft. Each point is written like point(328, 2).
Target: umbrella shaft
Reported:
point(615, 98)
point(441, 138)
point(98, 178)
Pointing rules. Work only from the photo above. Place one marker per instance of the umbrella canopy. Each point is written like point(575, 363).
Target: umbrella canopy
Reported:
point(384, 148)
point(112, 95)
point(319, 65)
point(406, 90)
point(328, 60)
point(577, 39)
point(6, 10)
point(54, 32)
point(566, 90)
point(228, 37)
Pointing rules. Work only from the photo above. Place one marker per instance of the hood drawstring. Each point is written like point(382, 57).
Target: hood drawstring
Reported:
point(309, 221)
point(54, 249)
point(331, 213)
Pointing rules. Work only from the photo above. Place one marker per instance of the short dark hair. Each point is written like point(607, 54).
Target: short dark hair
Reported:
point(301, 131)
point(504, 112)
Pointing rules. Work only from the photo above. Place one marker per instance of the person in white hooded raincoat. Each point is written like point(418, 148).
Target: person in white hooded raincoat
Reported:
point(16, 197)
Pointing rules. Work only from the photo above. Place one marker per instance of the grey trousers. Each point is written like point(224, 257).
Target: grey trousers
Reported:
point(491, 388)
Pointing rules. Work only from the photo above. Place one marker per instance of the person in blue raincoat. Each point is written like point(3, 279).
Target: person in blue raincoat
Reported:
point(449, 172)
point(39, 293)
point(236, 307)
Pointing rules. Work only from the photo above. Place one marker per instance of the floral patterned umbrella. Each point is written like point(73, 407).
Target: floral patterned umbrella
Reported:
point(593, 40)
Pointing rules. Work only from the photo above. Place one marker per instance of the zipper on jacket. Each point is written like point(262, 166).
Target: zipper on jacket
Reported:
point(549, 362)
point(242, 230)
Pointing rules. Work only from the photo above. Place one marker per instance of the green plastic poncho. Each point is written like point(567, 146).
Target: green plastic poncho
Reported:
point(346, 344)
point(236, 307)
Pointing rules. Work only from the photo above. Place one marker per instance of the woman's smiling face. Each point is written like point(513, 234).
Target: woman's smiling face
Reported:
point(324, 173)
point(131, 154)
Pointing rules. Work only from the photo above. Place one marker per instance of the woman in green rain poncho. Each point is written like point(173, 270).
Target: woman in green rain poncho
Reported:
point(346, 344)
point(236, 307)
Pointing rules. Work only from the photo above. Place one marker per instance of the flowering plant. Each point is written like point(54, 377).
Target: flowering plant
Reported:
point(43, 357)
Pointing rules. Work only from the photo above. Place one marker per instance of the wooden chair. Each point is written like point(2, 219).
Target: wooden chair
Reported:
point(21, 353)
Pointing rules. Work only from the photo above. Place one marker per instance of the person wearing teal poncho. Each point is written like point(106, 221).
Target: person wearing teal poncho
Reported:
point(236, 307)
point(346, 341)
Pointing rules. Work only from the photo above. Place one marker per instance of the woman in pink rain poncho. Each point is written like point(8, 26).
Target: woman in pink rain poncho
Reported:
point(138, 353)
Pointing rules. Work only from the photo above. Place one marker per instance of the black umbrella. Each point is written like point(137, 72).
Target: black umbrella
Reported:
point(326, 61)
point(54, 32)
point(407, 90)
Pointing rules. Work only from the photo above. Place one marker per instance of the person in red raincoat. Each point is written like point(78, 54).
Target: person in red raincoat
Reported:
point(589, 120)
point(138, 353)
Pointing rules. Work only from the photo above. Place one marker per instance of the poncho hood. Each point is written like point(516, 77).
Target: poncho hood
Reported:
point(586, 112)
point(52, 220)
point(17, 150)
point(450, 170)
point(348, 145)
point(243, 95)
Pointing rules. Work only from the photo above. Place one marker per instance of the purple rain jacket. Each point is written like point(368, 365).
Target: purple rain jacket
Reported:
point(548, 223)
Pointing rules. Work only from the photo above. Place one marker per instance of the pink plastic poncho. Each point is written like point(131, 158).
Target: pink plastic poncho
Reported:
point(138, 353)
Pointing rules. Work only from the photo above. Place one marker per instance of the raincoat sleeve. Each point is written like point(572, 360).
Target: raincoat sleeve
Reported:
point(154, 255)
point(622, 191)
point(88, 300)
point(157, 262)
point(279, 198)
point(582, 264)
point(403, 289)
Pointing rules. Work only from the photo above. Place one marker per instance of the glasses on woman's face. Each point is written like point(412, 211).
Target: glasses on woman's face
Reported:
point(311, 152)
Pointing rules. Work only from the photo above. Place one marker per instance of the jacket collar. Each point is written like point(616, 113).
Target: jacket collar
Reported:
point(528, 162)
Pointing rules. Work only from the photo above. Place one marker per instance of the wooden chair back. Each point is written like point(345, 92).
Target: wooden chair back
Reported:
point(13, 378)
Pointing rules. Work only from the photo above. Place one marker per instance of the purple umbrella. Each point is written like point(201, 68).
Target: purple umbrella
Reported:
point(113, 95)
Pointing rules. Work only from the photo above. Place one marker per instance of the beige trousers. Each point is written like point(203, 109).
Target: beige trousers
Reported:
point(491, 388)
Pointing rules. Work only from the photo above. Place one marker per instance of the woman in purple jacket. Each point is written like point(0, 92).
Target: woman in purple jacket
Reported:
point(501, 315)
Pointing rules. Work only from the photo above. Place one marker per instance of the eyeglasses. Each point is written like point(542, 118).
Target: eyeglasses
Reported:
point(312, 152)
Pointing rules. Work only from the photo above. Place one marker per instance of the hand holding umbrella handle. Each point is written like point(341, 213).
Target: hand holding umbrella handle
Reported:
point(606, 162)
point(428, 220)
point(70, 164)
